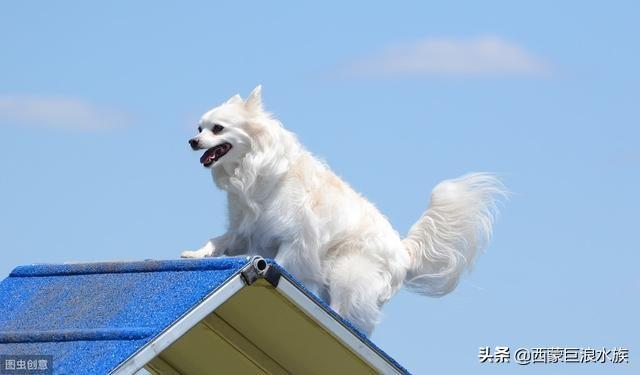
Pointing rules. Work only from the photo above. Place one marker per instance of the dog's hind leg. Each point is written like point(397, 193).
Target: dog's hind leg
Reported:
point(357, 289)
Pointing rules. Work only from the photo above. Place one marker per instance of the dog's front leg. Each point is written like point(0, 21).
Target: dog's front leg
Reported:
point(214, 247)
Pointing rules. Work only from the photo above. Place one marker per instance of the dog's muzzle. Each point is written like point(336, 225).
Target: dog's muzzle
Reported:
point(214, 154)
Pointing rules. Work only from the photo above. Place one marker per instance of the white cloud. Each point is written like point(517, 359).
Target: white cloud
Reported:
point(59, 112)
point(487, 55)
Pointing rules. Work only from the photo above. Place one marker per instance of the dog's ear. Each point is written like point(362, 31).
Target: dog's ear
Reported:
point(234, 99)
point(254, 100)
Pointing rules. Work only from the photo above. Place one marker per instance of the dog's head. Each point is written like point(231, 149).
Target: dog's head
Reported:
point(227, 131)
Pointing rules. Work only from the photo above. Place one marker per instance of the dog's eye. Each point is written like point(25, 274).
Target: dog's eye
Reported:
point(199, 129)
point(217, 129)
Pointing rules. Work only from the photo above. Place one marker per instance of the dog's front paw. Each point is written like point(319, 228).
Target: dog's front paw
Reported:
point(196, 254)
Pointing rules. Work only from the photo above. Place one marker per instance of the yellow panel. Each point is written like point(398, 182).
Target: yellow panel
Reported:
point(287, 334)
point(258, 331)
point(243, 345)
point(158, 366)
point(202, 351)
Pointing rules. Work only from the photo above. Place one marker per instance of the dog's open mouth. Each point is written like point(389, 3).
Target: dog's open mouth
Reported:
point(214, 154)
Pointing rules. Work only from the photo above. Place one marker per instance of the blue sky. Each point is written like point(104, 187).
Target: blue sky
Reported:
point(97, 102)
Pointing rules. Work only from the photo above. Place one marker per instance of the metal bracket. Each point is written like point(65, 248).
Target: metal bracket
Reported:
point(273, 276)
point(255, 270)
point(258, 268)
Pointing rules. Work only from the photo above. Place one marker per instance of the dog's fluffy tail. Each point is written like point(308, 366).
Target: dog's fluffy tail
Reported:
point(458, 223)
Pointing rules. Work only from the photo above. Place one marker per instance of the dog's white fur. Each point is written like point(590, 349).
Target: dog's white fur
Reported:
point(286, 204)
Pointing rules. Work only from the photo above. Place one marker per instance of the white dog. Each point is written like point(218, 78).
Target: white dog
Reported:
point(286, 204)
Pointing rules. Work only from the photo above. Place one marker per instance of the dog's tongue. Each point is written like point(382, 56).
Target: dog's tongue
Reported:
point(208, 156)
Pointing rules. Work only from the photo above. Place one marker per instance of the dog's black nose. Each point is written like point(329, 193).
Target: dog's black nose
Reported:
point(193, 143)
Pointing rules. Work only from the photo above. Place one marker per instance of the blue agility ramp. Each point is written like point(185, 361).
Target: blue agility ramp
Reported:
point(215, 315)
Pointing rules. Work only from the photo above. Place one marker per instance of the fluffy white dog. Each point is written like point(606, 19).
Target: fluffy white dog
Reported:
point(286, 204)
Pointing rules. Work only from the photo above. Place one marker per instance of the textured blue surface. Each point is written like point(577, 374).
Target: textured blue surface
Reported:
point(206, 264)
point(91, 317)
